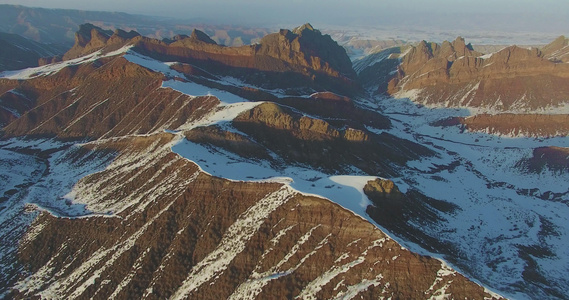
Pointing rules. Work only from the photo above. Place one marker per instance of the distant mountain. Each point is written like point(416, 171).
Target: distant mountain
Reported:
point(17, 52)
point(512, 80)
point(58, 26)
point(293, 60)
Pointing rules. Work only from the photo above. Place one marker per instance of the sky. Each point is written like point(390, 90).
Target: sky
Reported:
point(325, 11)
point(522, 22)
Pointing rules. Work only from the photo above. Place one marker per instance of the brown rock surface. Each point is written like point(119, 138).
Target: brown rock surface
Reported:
point(558, 50)
point(318, 143)
point(534, 125)
point(512, 79)
point(109, 97)
point(552, 158)
point(382, 188)
point(88, 39)
point(290, 59)
point(177, 232)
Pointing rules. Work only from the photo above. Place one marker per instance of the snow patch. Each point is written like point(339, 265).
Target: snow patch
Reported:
point(30, 73)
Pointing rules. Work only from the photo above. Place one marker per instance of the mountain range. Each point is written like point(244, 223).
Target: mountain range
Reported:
point(144, 167)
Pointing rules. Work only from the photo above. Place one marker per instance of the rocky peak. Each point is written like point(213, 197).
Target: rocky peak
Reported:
point(126, 35)
point(306, 27)
point(456, 75)
point(120, 37)
point(88, 39)
point(558, 50)
point(89, 32)
point(200, 36)
point(417, 57)
point(515, 54)
point(462, 49)
point(309, 47)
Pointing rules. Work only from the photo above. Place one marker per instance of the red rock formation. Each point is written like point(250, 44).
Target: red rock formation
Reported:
point(303, 57)
point(192, 235)
point(108, 98)
point(453, 75)
point(519, 124)
point(318, 143)
point(88, 39)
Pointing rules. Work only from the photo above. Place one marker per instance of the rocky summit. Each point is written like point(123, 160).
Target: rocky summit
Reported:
point(138, 167)
point(512, 79)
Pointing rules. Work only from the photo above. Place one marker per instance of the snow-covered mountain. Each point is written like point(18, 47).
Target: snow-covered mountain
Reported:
point(152, 169)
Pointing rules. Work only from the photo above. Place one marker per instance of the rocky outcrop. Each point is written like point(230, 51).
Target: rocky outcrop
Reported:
point(317, 143)
point(453, 75)
point(547, 158)
point(534, 125)
point(307, 47)
point(200, 36)
point(298, 60)
point(382, 188)
point(88, 39)
point(91, 38)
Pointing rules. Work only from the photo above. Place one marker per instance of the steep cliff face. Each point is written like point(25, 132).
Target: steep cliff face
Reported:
point(316, 142)
point(307, 47)
point(88, 39)
point(453, 75)
point(287, 59)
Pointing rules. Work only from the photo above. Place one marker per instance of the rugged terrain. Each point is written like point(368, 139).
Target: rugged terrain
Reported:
point(118, 185)
point(512, 79)
point(499, 91)
point(182, 168)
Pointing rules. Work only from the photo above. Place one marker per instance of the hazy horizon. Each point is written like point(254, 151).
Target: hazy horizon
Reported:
point(523, 22)
point(332, 12)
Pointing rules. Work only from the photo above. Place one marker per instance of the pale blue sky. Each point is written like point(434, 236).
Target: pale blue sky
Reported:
point(324, 11)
